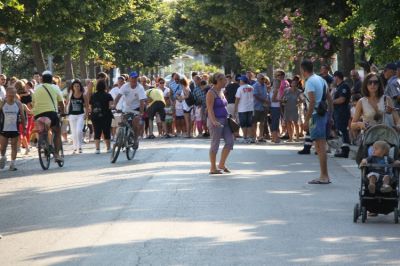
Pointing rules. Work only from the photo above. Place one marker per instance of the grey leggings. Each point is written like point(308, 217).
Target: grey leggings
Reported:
point(220, 132)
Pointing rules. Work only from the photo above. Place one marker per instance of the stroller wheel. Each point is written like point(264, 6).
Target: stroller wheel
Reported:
point(363, 214)
point(396, 215)
point(356, 212)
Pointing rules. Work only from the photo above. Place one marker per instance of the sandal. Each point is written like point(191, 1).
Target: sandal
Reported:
point(319, 182)
point(216, 172)
point(225, 170)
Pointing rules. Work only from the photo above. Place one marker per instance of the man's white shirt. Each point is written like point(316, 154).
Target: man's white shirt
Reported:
point(132, 97)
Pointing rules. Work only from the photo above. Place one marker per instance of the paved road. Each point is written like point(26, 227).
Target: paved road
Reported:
point(164, 209)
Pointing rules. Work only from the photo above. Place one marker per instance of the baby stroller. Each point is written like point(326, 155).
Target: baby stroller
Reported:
point(379, 203)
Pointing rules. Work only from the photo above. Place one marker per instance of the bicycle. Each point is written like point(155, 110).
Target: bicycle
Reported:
point(125, 138)
point(45, 149)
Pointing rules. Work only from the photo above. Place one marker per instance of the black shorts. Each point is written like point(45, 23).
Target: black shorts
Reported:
point(156, 107)
point(53, 116)
point(102, 126)
point(179, 118)
point(10, 134)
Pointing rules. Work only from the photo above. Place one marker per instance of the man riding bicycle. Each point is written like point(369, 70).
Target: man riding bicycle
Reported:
point(45, 101)
point(134, 102)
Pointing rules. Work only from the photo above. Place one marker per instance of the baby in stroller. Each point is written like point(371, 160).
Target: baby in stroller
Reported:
point(379, 175)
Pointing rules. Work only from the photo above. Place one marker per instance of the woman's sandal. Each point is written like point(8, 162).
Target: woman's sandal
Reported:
point(319, 182)
point(216, 172)
point(225, 170)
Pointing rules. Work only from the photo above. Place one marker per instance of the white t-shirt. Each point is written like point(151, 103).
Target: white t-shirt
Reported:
point(2, 93)
point(178, 108)
point(246, 95)
point(114, 93)
point(132, 97)
point(166, 91)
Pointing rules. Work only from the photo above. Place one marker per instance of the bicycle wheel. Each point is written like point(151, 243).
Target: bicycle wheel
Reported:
point(44, 154)
point(130, 151)
point(117, 145)
point(61, 163)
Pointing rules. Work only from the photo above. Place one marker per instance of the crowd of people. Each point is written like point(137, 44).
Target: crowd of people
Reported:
point(266, 108)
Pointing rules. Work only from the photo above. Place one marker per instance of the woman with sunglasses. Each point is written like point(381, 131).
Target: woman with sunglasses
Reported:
point(374, 108)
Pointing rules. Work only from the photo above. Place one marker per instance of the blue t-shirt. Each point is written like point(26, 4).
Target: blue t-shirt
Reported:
point(261, 91)
point(315, 84)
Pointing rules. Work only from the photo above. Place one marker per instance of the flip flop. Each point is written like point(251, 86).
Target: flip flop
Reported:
point(319, 182)
point(217, 172)
point(225, 170)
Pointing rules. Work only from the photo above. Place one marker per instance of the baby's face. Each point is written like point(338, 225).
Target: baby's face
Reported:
point(379, 152)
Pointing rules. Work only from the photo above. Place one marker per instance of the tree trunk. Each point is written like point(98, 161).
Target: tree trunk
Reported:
point(92, 73)
point(82, 63)
point(38, 56)
point(69, 71)
point(346, 56)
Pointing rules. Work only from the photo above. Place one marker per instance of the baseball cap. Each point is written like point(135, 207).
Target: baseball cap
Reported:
point(244, 79)
point(391, 66)
point(237, 77)
point(134, 75)
point(260, 75)
point(47, 72)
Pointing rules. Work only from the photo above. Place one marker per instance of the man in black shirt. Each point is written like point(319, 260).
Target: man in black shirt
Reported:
point(341, 112)
point(324, 73)
point(355, 77)
point(230, 92)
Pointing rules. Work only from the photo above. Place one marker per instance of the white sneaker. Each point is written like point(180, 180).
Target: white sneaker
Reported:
point(97, 152)
point(12, 168)
point(3, 161)
point(109, 150)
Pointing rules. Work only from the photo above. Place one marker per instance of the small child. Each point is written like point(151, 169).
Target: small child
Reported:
point(379, 174)
point(168, 116)
point(179, 119)
point(199, 119)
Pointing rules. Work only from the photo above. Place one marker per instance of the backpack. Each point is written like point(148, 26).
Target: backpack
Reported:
point(190, 100)
point(97, 111)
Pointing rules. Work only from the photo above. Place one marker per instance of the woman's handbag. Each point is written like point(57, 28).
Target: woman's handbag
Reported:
point(233, 125)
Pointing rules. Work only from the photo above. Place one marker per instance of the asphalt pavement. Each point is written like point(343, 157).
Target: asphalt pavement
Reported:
point(163, 208)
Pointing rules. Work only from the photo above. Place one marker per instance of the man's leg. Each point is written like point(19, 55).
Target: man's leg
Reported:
point(321, 149)
point(57, 141)
point(3, 147)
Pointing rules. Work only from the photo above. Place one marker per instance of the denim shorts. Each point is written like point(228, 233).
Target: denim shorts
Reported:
point(275, 117)
point(246, 119)
point(318, 126)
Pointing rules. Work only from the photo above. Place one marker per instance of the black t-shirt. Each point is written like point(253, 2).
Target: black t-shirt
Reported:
point(26, 99)
point(328, 78)
point(230, 92)
point(100, 102)
point(343, 90)
point(76, 105)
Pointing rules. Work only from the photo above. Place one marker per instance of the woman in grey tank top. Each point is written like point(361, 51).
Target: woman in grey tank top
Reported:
point(11, 111)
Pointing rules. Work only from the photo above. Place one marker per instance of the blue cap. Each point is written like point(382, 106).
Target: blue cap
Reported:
point(391, 66)
point(244, 79)
point(134, 75)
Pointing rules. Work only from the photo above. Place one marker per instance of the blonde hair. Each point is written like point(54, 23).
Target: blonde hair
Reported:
point(383, 145)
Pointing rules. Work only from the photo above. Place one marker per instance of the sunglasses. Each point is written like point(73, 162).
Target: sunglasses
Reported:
point(162, 82)
point(373, 82)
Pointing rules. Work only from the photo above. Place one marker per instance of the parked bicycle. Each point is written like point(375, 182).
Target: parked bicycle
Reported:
point(46, 149)
point(125, 138)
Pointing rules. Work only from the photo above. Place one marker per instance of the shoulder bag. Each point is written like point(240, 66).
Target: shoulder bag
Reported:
point(322, 107)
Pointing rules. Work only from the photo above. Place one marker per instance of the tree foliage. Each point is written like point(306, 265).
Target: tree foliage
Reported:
point(127, 33)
